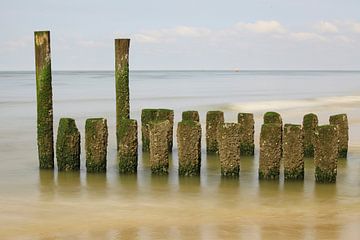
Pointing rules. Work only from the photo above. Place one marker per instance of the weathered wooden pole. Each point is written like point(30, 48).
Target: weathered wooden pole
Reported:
point(96, 140)
point(159, 152)
point(272, 117)
point(310, 123)
point(270, 151)
point(246, 122)
point(122, 81)
point(326, 153)
point(341, 122)
point(293, 152)
point(150, 115)
point(45, 139)
point(189, 147)
point(147, 115)
point(229, 148)
point(128, 146)
point(190, 116)
point(213, 120)
point(68, 145)
point(167, 114)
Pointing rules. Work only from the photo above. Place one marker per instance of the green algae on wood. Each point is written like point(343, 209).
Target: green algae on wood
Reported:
point(228, 137)
point(96, 140)
point(213, 120)
point(293, 153)
point(128, 146)
point(191, 116)
point(326, 153)
point(159, 154)
point(68, 145)
point(122, 81)
point(310, 123)
point(247, 130)
point(341, 122)
point(189, 147)
point(272, 117)
point(149, 115)
point(270, 151)
point(45, 136)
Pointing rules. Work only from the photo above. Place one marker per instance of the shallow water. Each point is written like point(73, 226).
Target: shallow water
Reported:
point(38, 204)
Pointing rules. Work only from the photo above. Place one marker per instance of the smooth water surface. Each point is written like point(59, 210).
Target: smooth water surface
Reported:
point(43, 204)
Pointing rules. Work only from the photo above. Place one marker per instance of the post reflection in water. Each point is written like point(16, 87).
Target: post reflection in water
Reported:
point(68, 184)
point(46, 184)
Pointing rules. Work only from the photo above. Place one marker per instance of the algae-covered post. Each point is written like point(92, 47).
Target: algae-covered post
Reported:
point(310, 123)
point(68, 145)
point(326, 153)
point(246, 122)
point(191, 116)
point(45, 139)
point(147, 115)
point(96, 140)
point(128, 146)
point(272, 117)
point(213, 120)
point(189, 147)
point(229, 148)
point(270, 151)
point(293, 153)
point(341, 122)
point(159, 154)
point(122, 81)
point(167, 114)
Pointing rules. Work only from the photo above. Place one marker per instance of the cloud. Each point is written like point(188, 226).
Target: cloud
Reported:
point(326, 27)
point(355, 27)
point(262, 27)
point(306, 36)
point(171, 34)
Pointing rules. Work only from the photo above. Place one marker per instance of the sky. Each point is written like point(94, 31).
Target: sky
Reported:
point(186, 34)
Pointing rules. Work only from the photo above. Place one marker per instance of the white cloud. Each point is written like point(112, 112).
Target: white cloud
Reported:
point(170, 34)
point(344, 39)
point(262, 27)
point(306, 36)
point(326, 27)
point(355, 27)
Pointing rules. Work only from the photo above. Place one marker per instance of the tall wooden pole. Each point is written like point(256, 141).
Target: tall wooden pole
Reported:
point(44, 100)
point(122, 81)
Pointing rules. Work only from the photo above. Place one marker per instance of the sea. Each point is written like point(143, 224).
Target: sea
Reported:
point(46, 204)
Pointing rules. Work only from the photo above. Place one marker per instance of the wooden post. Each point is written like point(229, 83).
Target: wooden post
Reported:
point(310, 123)
point(341, 122)
point(96, 140)
point(270, 151)
point(191, 116)
point(326, 153)
point(122, 81)
point(167, 114)
point(45, 139)
point(68, 145)
point(293, 152)
point(189, 147)
point(246, 122)
point(229, 148)
point(128, 146)
point(213, 120)
point(159, 153)
point(150, 115)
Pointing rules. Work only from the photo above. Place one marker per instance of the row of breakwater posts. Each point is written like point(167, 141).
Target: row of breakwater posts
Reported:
point(289, 143)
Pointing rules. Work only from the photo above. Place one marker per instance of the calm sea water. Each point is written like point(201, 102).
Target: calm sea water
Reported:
point(38, 204)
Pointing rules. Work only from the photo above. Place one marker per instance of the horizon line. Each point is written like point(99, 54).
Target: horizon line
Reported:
point(215, 70)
